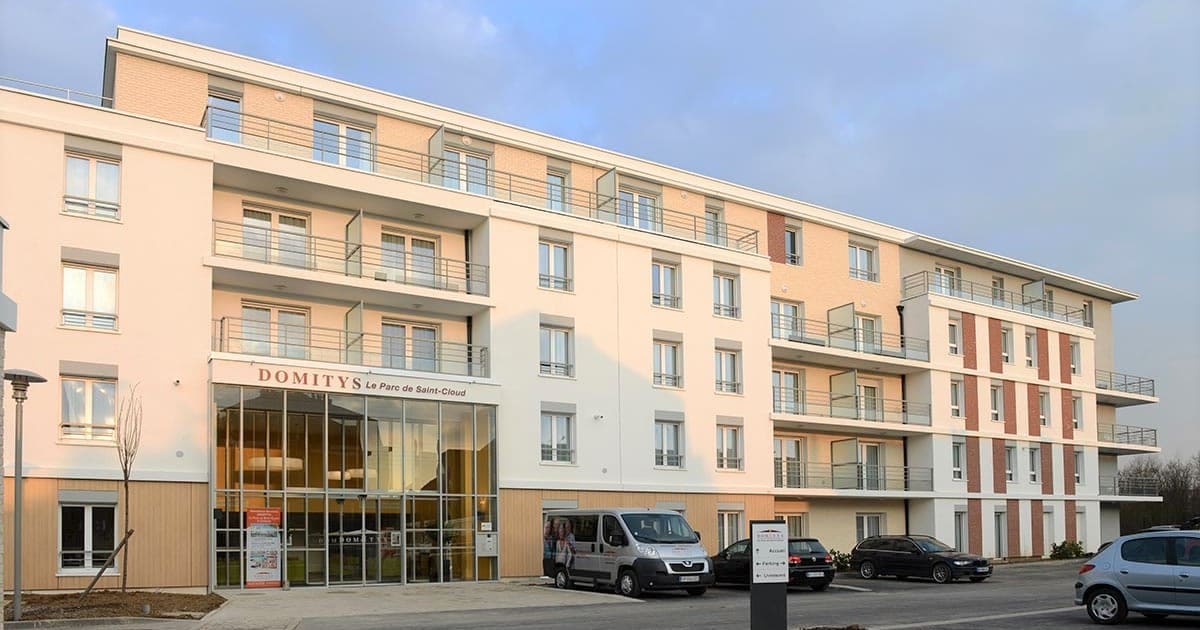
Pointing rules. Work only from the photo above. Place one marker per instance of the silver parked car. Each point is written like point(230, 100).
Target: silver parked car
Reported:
point(1152, 573)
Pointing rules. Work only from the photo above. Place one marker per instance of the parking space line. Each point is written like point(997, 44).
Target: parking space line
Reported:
point(953, 622)
point(850, 588)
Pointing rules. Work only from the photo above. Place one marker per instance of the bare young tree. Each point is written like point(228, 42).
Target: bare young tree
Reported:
point(129, 439)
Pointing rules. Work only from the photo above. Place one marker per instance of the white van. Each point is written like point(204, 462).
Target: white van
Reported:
point(633, 550)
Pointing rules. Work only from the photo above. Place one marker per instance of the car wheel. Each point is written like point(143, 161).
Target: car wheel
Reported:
point(1106, 606)
point(978, 579)
point(819, 586)
point(697, 591)
point(628, 585)
point(866, 570)
point(561, 578)
point(942, 573)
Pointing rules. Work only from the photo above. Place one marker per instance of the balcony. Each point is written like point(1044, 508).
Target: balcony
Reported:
point(828, 343)
point(927, 282)
point(347, 259)
point(1119, 439)
point(1129, 486)
point(1122, 390)
point(360, 153)
point(795, 474)
point(330, 345)
point(797, 402)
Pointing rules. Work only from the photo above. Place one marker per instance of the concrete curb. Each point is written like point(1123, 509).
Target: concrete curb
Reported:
point(89, 622)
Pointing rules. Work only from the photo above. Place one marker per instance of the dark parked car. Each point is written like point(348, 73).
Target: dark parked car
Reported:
point(916, 556)
point(809, 564)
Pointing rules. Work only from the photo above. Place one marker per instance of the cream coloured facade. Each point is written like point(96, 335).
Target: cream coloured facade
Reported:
point(412, 330)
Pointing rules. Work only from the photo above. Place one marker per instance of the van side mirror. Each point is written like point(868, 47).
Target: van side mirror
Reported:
point(617, 540)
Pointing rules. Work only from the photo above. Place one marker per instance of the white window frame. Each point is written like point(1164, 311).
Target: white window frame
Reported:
point(639, 209)
point(1035, 464)
point(275, 338)
point(415, 353)
point(863, 525)
point(560, 186)
point(1006, 349)
point(665, 457)
point(954, 332)
point(958, 451)
point(1031, 349)
point(89, 317)
point(726, 290)
point(549, 275)
point(957, 394)
point(1077, 412)
point(465, 176)
point(90, 564)
point(341, 144)
point(857, 253)
point(667, 364)
point(729, 447)
point(267, 237)
point(551, 453)
point(792, 245)
point(996, 397)
point(724, 381)
point(1010, 463)
point(1073, 351)
point(551, 339)
point(87, 428)
point(729, 527)
point(1078, 455)
point(89, 204)
point(659, 271)
point(228, 115)
point(961, 530)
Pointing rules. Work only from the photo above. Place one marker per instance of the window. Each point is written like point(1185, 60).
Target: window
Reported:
point(789, 462)
point(87, 535)
point(1006, 344)
point(1010, 463)
point(558, 438)
point(1089, 313)
point(639, 210)
point(725, 296)
point(664, 285)
point(1187, 551)
point(1000, 521)
point(224, 118)
point(795, 524)
point(666, 364)
point(668, 444)
point(1035, 463)
point(787, 319)
point(93, 186)
point(465, 171)
point(714, 226)
point(338, 143)
point(556, 186)
point(1079, 467)
point(960, 530)
point(729, 528)
point(788, 389)
point(946, 279)
point(956, 397)
point(997, 290)
point(408, 259)
point(1031, 349)
point(791, 245)
point(556, 352)
point(1074, 351)
point(1077, 411)
point(870, 404)
point(957, 456)
point(272, 331)
point(952, 330)
point(409, 346)
point(867, 525)
point(728, 377)
point(554, 266)
point(997, 396)
point(729, 448)
point(1044, 408)
point(89, 297)
point(862, 263)
point(1146, 550)
point(275, 237)
point(88, 408)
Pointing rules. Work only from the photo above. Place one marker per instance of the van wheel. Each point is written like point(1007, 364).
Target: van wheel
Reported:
point(628, 585)
point(866, 570)
point(561, 578)
point(697, 591)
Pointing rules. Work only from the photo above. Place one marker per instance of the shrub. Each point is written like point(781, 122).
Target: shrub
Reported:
point(841, 561)
point(1066, 549)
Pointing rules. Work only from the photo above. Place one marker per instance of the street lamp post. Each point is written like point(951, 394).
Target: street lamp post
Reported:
point(20, 380)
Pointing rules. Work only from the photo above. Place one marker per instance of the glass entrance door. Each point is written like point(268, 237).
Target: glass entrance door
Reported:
point(346, 540)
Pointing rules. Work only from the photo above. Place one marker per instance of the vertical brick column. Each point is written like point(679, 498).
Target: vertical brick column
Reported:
point(776, 247)
point(1069, 469)
point(974, 483)
point(1069, 517)
point(1010, 407)
point(971, 401)
point(1064, 357)
point(1068, 425)
point(969, 346)
point(995, 362)
point(975, 526)
point(1012, 512)
point(1043, 354)
point(999, 480)
point(1033, 410)
point(1036, 533)
point(1047, 453)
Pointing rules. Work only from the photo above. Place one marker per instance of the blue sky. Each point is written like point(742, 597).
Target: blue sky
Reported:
point(1062, 133)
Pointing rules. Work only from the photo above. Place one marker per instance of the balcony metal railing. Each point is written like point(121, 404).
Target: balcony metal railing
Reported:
point(820, 333)
point(363, 154)
point(790, 473)
point(317, 253)
point(91, 207)
point(1125, 383)
point(75, 318)
point(665, 300)
point(556, 369)
point(558, 283)
point(1125, 434)
point(924, 282)
point(728, 387)
point(853, 407)
point(557, 454)
point(667, 458)
point(77, 96)
point(667, 379)
point(1129, 486)
point(726, 310)
point(330, 345)
point(728, 463)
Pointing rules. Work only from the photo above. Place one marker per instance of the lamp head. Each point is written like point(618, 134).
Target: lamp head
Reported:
point(20, 380)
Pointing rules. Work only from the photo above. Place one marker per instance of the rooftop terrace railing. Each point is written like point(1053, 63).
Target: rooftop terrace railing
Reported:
point(468, 174)
point(848, 337)
point(1125, 434)
point(1125, 383)
point(925, 282)
point(55, 91)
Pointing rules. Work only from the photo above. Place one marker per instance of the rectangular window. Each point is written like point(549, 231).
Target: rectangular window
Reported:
point(725, 296)
point(1074, 351)
point(1079, 467)
point(89, 297)
point(729, 448)
point(1031, 349)
point(664, 285)
point(275, 237)
point(1089, 313)
point(714, 227)
point(729, 528)
point(666, 364)
point(556, 352)
point(342, 144)
point(465, 171)
point(554, 266)
point(952, 330)
point(1035, 464)
point(997, 290)
point(87, 535)
point(957, 457)
point(224, 118)
point(668, 444)
point(726, 364)
point(867, 525)
point(787, 320)
point(408, 346)
point(788, 389)
point(93, 187)
point(1044, 408)
point(946, 280)
point(960, 530)
point(1000, 523)
point(791, 245)
point(1006, 344)
point(271, 331)
point(556, 186)
point(956, 397)
point(997, 397)
point(862, 263)
point(638, 210)
point(558, 438)
point(1010, 463)
point(88, 408)
point(1077, 411)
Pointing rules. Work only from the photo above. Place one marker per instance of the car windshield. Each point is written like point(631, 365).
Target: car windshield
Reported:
point(932, 545)
point(659, 528)
point(805, 546)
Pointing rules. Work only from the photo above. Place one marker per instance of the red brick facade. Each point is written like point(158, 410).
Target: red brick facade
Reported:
point(1012, 511)
point(1068, 409)
point(1010, 407)
point(974, 526)
point(1069, 517)
point(1033, 410)
point(995, 361)
point(1068, 469)
point(971, 402)
point(1043, 354)
point(1036, 534)
point(776, 246)
point(999, 478)
point(1047, 453)
point(969, 347)
point(973, 466)
point(1064, 357)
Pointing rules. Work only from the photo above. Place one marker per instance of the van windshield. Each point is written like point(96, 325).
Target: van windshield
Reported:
point(659, 528)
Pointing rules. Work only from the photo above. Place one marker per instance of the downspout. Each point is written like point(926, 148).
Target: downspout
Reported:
point(904, 397)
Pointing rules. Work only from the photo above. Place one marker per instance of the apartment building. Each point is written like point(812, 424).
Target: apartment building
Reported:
point(411, 331)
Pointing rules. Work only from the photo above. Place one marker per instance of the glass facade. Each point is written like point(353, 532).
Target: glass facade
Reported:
point(371, 489)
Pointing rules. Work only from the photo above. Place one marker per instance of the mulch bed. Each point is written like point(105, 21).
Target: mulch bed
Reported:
point(114, 604)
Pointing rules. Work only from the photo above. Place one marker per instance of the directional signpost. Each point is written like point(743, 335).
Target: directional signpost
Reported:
point(768, 575)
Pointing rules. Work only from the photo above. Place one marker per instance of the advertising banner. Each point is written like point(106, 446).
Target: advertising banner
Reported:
point(263, 560)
